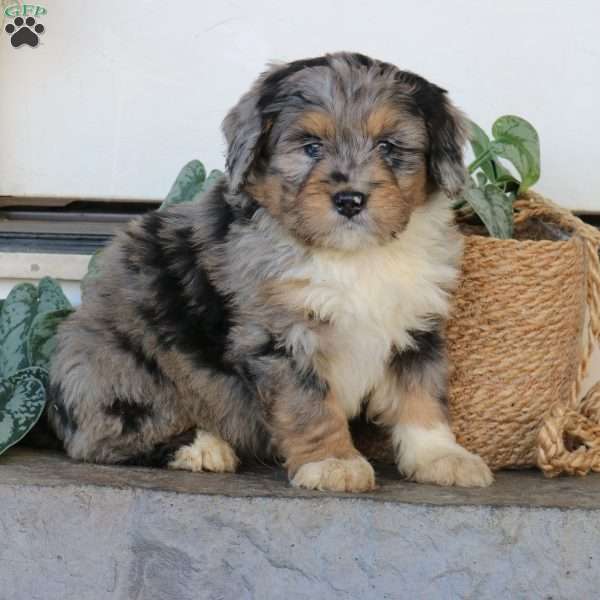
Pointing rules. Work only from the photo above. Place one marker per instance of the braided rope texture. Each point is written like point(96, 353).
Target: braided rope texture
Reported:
point(569, 439)
point(513, 343)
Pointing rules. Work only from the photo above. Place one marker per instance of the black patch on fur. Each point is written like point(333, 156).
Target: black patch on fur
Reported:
point(245, 212)
point(426, 96)
point(249, 370)
point(271, 347)
point(224, 217)
point(132, 414)
point(186, 311)
point(338, 177)
point(162, 454)
point(63, 417)
point(248, 376)
point(363, 60)
point(148, 363)
point(430, 103)
point(307, 380)
point(429, 348)
point(310, 381)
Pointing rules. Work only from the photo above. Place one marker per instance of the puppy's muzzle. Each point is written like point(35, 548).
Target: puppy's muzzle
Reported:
point(350, 203)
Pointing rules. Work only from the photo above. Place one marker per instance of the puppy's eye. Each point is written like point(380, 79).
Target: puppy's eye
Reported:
point(314, 150)
point(384, 147)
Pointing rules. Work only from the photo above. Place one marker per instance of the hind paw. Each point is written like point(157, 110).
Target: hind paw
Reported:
point(208, 452)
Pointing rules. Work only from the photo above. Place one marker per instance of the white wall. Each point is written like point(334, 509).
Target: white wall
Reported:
point(120, 94)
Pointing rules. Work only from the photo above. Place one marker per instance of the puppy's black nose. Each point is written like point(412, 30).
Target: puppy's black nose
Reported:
point(349, 203)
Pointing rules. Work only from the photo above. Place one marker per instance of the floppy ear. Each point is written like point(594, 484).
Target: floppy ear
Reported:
point(245, 130)
point(448, 132)
point(248, 124)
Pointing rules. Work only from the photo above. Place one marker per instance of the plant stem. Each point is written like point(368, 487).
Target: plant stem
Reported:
point(479, 161)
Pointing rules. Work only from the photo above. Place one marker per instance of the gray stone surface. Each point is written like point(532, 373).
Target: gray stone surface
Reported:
point(73, 531)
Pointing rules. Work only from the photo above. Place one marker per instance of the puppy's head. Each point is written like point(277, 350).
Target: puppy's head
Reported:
point(342, 148)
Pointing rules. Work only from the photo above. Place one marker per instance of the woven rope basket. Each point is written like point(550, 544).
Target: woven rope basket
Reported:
point(526, 317)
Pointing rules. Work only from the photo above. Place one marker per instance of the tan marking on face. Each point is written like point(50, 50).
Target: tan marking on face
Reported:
point(324, 435)
point(381, 121)
point(389, 120)
point(312, 208)
point(267, 191)
point(390, 203)
point(318, 124)
point(308, 212)
point(393, 199)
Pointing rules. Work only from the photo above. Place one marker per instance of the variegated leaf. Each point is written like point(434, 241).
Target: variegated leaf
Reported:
point(41, 339)
point(22, 401)
point(51, 297)
point(189, 182)
point(17, 313)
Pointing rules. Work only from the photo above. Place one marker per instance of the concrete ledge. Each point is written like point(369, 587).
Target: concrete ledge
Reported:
point(74, 531)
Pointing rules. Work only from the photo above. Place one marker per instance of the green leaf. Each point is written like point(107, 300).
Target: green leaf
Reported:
point(478, 139)
point(188, 183)
point(94, 265)
point(493, 169)
point(22, 401)
point(481, 179)
point(92, 273)
point(501, 174)
point(41, 339)
point(51, 296)
point(39, 373)
point(493, 208)
point(480, 143)
point(17, 313)
point(517, 141)
point(212, 178)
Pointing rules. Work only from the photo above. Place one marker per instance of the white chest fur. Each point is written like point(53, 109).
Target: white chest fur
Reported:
point(372, 299)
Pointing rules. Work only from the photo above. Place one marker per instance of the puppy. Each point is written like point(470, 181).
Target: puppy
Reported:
point(309, 285)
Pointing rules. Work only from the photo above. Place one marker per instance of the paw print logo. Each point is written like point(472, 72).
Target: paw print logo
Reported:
point(24, 32)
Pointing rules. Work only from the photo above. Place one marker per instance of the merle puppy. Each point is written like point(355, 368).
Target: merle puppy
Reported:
point(308, 286)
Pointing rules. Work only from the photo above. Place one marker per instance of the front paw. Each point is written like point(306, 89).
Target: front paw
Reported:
point(336, 475)
point(457, 467)
point(433, 456)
